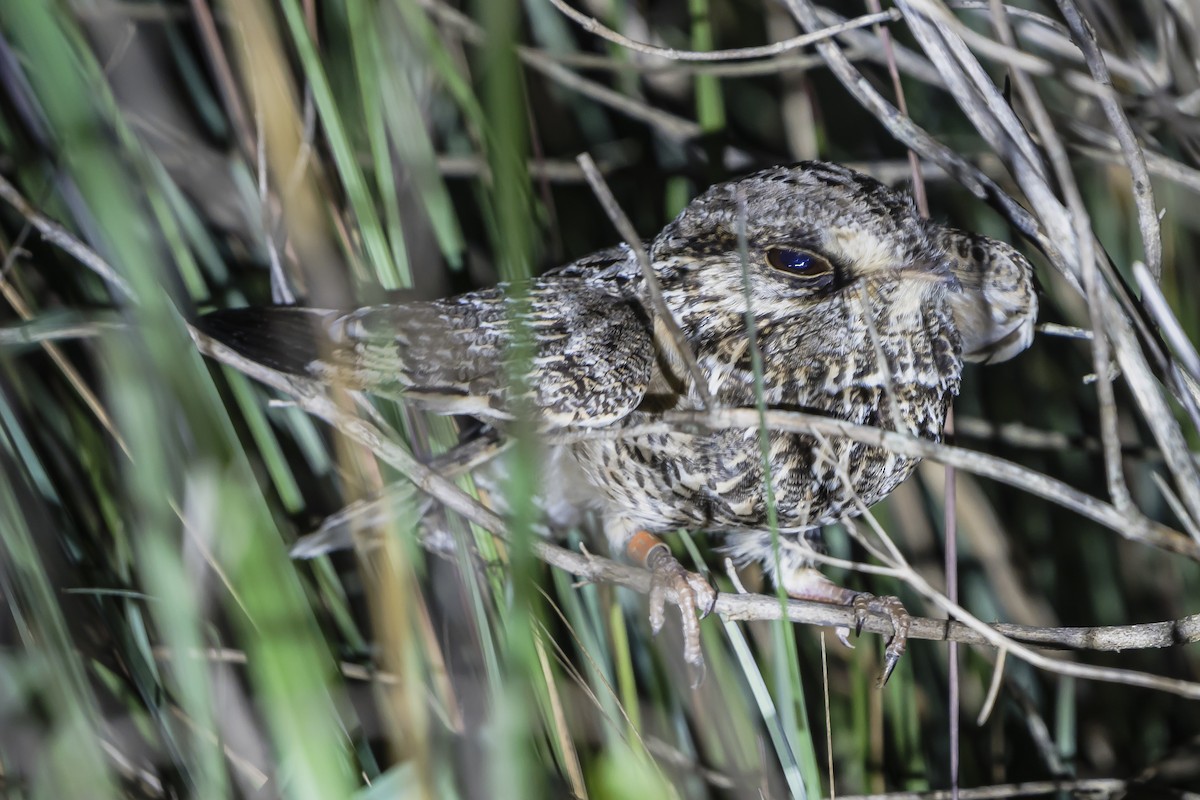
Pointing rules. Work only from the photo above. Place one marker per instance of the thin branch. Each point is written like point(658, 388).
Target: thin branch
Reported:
point(311, 398)
point(918, 181)
point(594, 26)
point(916, 138)
point(1176, 507)
point(920, 584)
point(1143, 190)
point(1130, 524)
point(911, 63)
point(1086, 255)
point(675, 338)
point(1168, 324)
point(1107, 310)
point(1107, 149)
point(1155, 410)
point(1020, 435)
point(1001, 52)
point(670, 125)
point(1053, 36)
point(549, 169)
point(59, 236)
point(768, 66)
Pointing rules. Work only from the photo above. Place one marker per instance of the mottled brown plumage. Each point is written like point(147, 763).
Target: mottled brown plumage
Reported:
point(862, 311)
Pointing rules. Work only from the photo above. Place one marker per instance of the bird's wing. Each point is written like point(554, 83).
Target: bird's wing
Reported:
point(591, 361)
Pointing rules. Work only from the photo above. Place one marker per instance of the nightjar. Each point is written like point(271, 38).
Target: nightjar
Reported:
point(861, 310)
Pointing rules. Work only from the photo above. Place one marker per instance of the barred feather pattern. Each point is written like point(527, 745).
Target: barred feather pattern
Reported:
point(876, 336)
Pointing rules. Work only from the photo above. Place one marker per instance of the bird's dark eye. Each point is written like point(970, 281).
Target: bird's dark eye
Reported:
point(801, 263)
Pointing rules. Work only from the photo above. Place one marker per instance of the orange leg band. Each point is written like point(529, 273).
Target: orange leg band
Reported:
point(641, 545)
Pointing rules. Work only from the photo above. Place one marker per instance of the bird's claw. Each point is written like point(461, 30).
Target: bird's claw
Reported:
point(690, 591)
point(897, 614)
point(843, 635)
point(809, 584)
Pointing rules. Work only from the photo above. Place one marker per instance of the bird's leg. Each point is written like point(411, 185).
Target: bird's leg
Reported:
point(691, 590)
point(809, 584)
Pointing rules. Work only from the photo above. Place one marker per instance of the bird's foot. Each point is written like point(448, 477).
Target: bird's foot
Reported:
point(897, 614)
point(809, 584)
point(688, 590)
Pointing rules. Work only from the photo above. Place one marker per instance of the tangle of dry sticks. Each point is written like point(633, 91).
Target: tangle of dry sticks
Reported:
point(385, 445)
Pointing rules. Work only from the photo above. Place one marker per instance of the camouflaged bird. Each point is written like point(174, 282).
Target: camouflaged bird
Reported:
point(862, 310)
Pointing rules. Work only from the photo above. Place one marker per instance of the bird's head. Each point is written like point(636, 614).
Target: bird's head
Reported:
point(996, 308)
point(820, 238)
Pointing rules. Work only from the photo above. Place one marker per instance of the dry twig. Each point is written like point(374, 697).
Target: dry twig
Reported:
point(385, 446)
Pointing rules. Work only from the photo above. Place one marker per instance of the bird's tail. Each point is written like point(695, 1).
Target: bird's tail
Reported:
point(284, 338)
